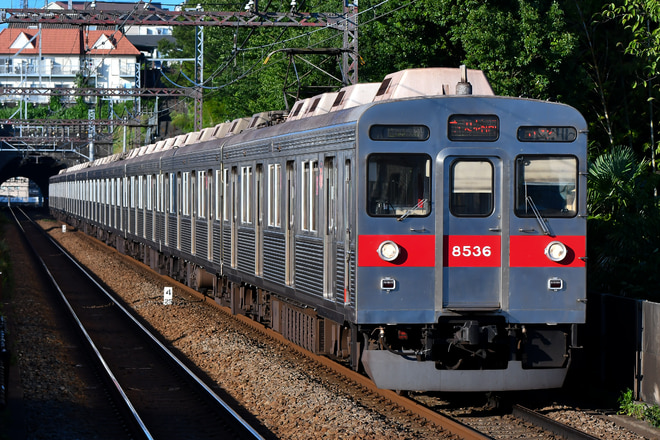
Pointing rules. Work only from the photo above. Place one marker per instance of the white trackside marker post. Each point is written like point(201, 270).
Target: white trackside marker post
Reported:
point(167, 296)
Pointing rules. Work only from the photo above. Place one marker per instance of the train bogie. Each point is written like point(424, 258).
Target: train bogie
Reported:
point(437, 241)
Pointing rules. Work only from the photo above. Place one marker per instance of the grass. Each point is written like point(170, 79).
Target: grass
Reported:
point(639, 410)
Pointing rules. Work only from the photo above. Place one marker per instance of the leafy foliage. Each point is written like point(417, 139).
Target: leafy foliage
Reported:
point(624, 226)
point(639, 410)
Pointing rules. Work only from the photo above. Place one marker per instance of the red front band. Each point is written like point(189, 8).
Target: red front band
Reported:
point(529, 251)
point(414, 250)
point(471, 251)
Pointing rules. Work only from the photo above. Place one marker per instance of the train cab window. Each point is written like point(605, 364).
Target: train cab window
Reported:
point(546, 184)
point(471, 188)
point(398, 185)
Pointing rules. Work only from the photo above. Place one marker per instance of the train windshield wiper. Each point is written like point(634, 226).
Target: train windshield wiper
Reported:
point(408, 212)
point(537, 214)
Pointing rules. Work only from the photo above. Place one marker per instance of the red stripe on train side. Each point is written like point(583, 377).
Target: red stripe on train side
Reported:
point(415, 250)
point(529, 251)
point(472, 251)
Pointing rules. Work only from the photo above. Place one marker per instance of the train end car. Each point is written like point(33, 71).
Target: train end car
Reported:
point(471, 268)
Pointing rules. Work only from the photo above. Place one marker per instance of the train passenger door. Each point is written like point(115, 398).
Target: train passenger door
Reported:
point(330, 226)
point(472, 233)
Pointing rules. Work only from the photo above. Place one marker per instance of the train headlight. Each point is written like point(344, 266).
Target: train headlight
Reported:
point(388, 250)
point(556, 251)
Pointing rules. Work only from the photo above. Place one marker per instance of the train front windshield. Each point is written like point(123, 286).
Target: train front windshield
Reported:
point(399, 185)
point(546, 183)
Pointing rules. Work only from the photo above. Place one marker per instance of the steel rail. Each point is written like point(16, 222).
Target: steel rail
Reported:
point(549, 424)
point(254, 434)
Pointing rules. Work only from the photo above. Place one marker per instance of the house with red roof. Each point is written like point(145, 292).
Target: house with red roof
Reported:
point(32, 57)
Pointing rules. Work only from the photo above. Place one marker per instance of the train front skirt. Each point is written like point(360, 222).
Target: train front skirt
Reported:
point(394, 372)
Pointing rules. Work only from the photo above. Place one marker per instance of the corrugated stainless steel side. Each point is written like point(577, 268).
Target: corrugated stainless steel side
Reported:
point(140, 223)
point(124, 219)
point(160, 228)
point(149, 226)
point(246, 250)
point(202, 238)
point(226, 251)
point(309, 265)
point(186, 229)
point(132, 221)
point(172, 232)
point(217, 249)
point(340, 264)
point(342, 272)
point(353, 292)
point(274, 257)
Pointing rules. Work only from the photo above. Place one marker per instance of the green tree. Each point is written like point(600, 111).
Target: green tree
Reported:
point(640, 41)
point(624, 225)
point(526, 48)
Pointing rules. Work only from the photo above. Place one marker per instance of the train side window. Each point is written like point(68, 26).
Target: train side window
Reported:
point(149, 192)
point(217, 193)
point(274, 171)
point(246, 195)
point(202, 193)
point(133, 189)
point(225, 194)
point(399, 185)
point(172, 194)
point(471, 188)
point(548, 184)
point(140, 188)
point(185, 193)
point(310, 195)
point(125, 193)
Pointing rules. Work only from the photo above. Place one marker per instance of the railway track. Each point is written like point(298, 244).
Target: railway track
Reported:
point(156, 394)
point(478, 425)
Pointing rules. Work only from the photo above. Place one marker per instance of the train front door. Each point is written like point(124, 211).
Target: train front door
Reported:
point(472, 232)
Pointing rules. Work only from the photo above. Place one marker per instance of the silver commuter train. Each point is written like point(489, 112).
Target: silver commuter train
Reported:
point(433, 237)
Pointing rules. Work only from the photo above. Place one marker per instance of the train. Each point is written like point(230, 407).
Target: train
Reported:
point(422, 230)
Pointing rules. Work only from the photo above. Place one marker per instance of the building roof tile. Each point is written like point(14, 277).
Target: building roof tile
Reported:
point(66, 42)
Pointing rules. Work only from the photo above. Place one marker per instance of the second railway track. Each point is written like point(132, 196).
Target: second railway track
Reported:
point(164, 397)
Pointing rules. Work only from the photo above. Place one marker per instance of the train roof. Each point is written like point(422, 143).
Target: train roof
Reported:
point(318, 111)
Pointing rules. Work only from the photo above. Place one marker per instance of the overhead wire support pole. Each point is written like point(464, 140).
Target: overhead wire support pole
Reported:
point(172, 18)
point(350, 56)
point(199, 75)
